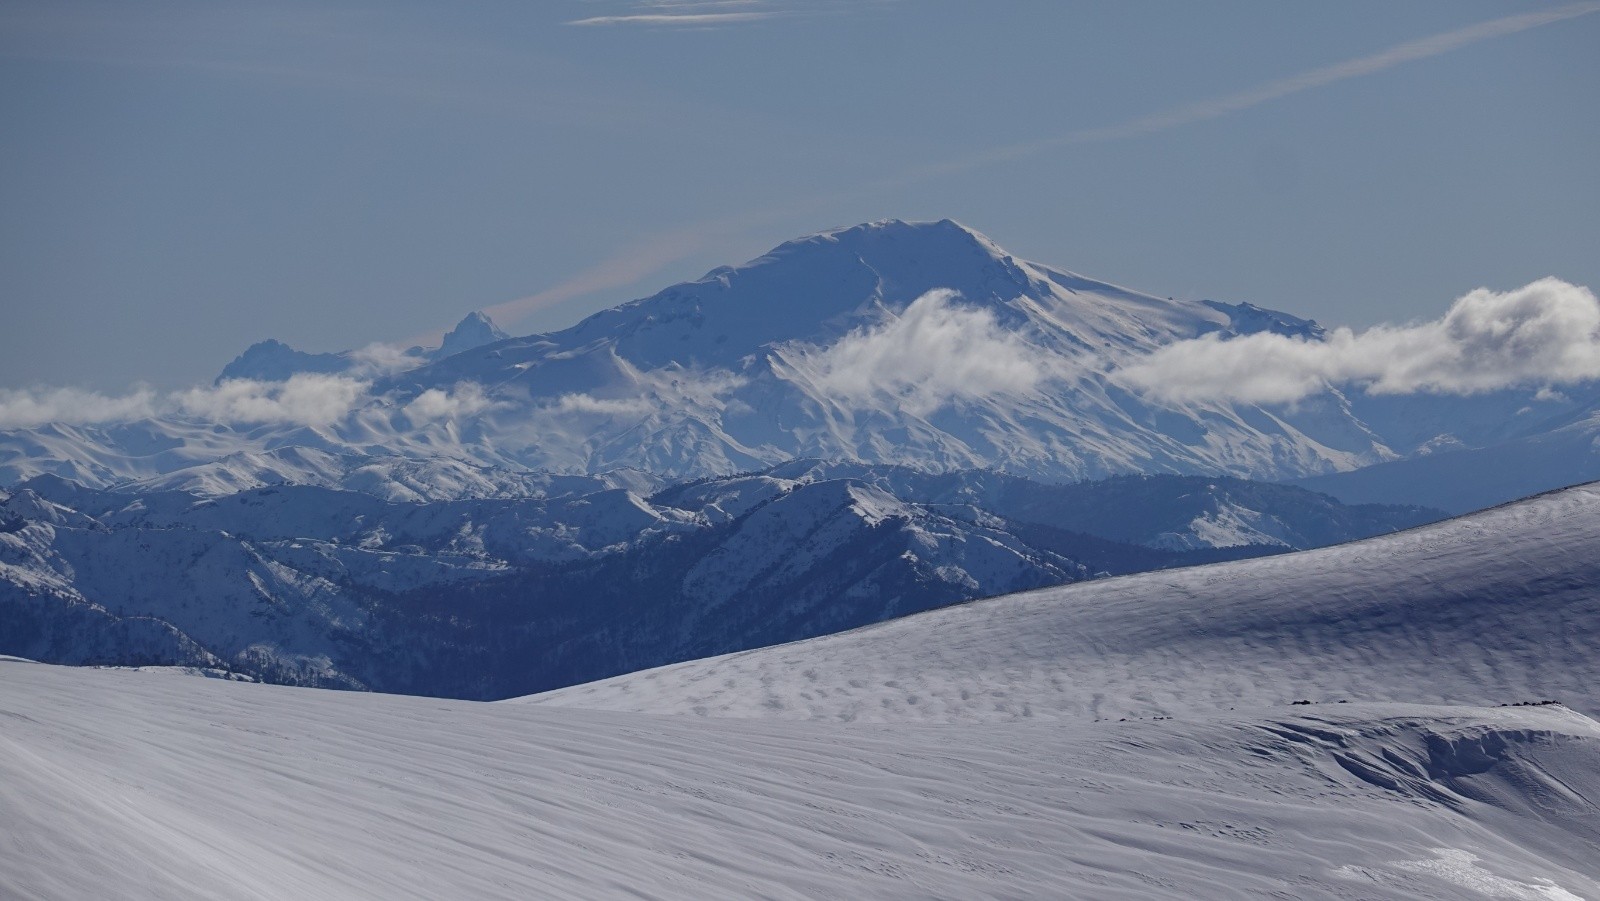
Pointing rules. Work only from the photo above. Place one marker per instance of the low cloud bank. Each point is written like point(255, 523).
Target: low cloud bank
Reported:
point(938, 351)
point(26, 408)
point(304, 399)
point(935, 352)
point(1544, 334)
point(603, 406)
point(465, 400)
point(668, 390)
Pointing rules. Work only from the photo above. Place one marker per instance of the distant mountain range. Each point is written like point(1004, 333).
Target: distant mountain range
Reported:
point(919, 344)
point(495, 596)
point(273, 361)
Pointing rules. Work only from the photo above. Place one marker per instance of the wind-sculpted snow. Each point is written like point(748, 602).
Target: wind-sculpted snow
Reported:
point(145, 785)
point(1499, 606)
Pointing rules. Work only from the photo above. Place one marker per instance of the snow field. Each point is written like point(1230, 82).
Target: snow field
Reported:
point(156, 785)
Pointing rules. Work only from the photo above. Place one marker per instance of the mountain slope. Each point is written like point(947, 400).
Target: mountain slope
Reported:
point(1467, 478)
point(1498, 606)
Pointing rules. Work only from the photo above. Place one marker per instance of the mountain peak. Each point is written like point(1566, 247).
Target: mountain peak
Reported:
point(274, 361)
point(474, 330)
point(941, 233)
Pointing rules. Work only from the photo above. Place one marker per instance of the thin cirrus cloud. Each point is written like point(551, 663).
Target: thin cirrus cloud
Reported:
point(1544, 334)
point(685, 14)
point(681, 20)
point(1228, 104)
point(664, 249)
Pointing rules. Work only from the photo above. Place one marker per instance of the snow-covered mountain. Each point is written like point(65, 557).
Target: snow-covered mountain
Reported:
point(391, 478)
point(920, 344)
point(273, 361)
point(893, 342)
point(348, 579)
point(1364, 721)
point(1554, 454)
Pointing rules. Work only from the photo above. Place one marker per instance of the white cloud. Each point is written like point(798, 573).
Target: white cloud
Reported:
point(668, 390)
point(464, 400)
point(1545, 333)
point(378, 359)
point(935, 352)
point(305, 399)
point(678, 19)
point(603, 406)
point(27, 408)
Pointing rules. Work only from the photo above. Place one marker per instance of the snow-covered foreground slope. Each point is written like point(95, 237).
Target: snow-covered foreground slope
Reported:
point(151, 785)
point(1498, 606)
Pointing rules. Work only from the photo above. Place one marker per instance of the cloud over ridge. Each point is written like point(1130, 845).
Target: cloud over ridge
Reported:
point(1543, 334)
point(311, 399)
point(935, 352)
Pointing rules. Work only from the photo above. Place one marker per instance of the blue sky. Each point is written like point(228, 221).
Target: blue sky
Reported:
point(178, 181)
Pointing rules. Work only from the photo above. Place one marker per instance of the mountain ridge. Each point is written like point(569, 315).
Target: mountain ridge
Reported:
point(1509, 590)
point(357, 585)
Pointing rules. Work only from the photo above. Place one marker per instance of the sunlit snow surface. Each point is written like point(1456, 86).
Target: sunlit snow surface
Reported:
point(148, 785)
point(1500, 606)
point(1161, 759)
